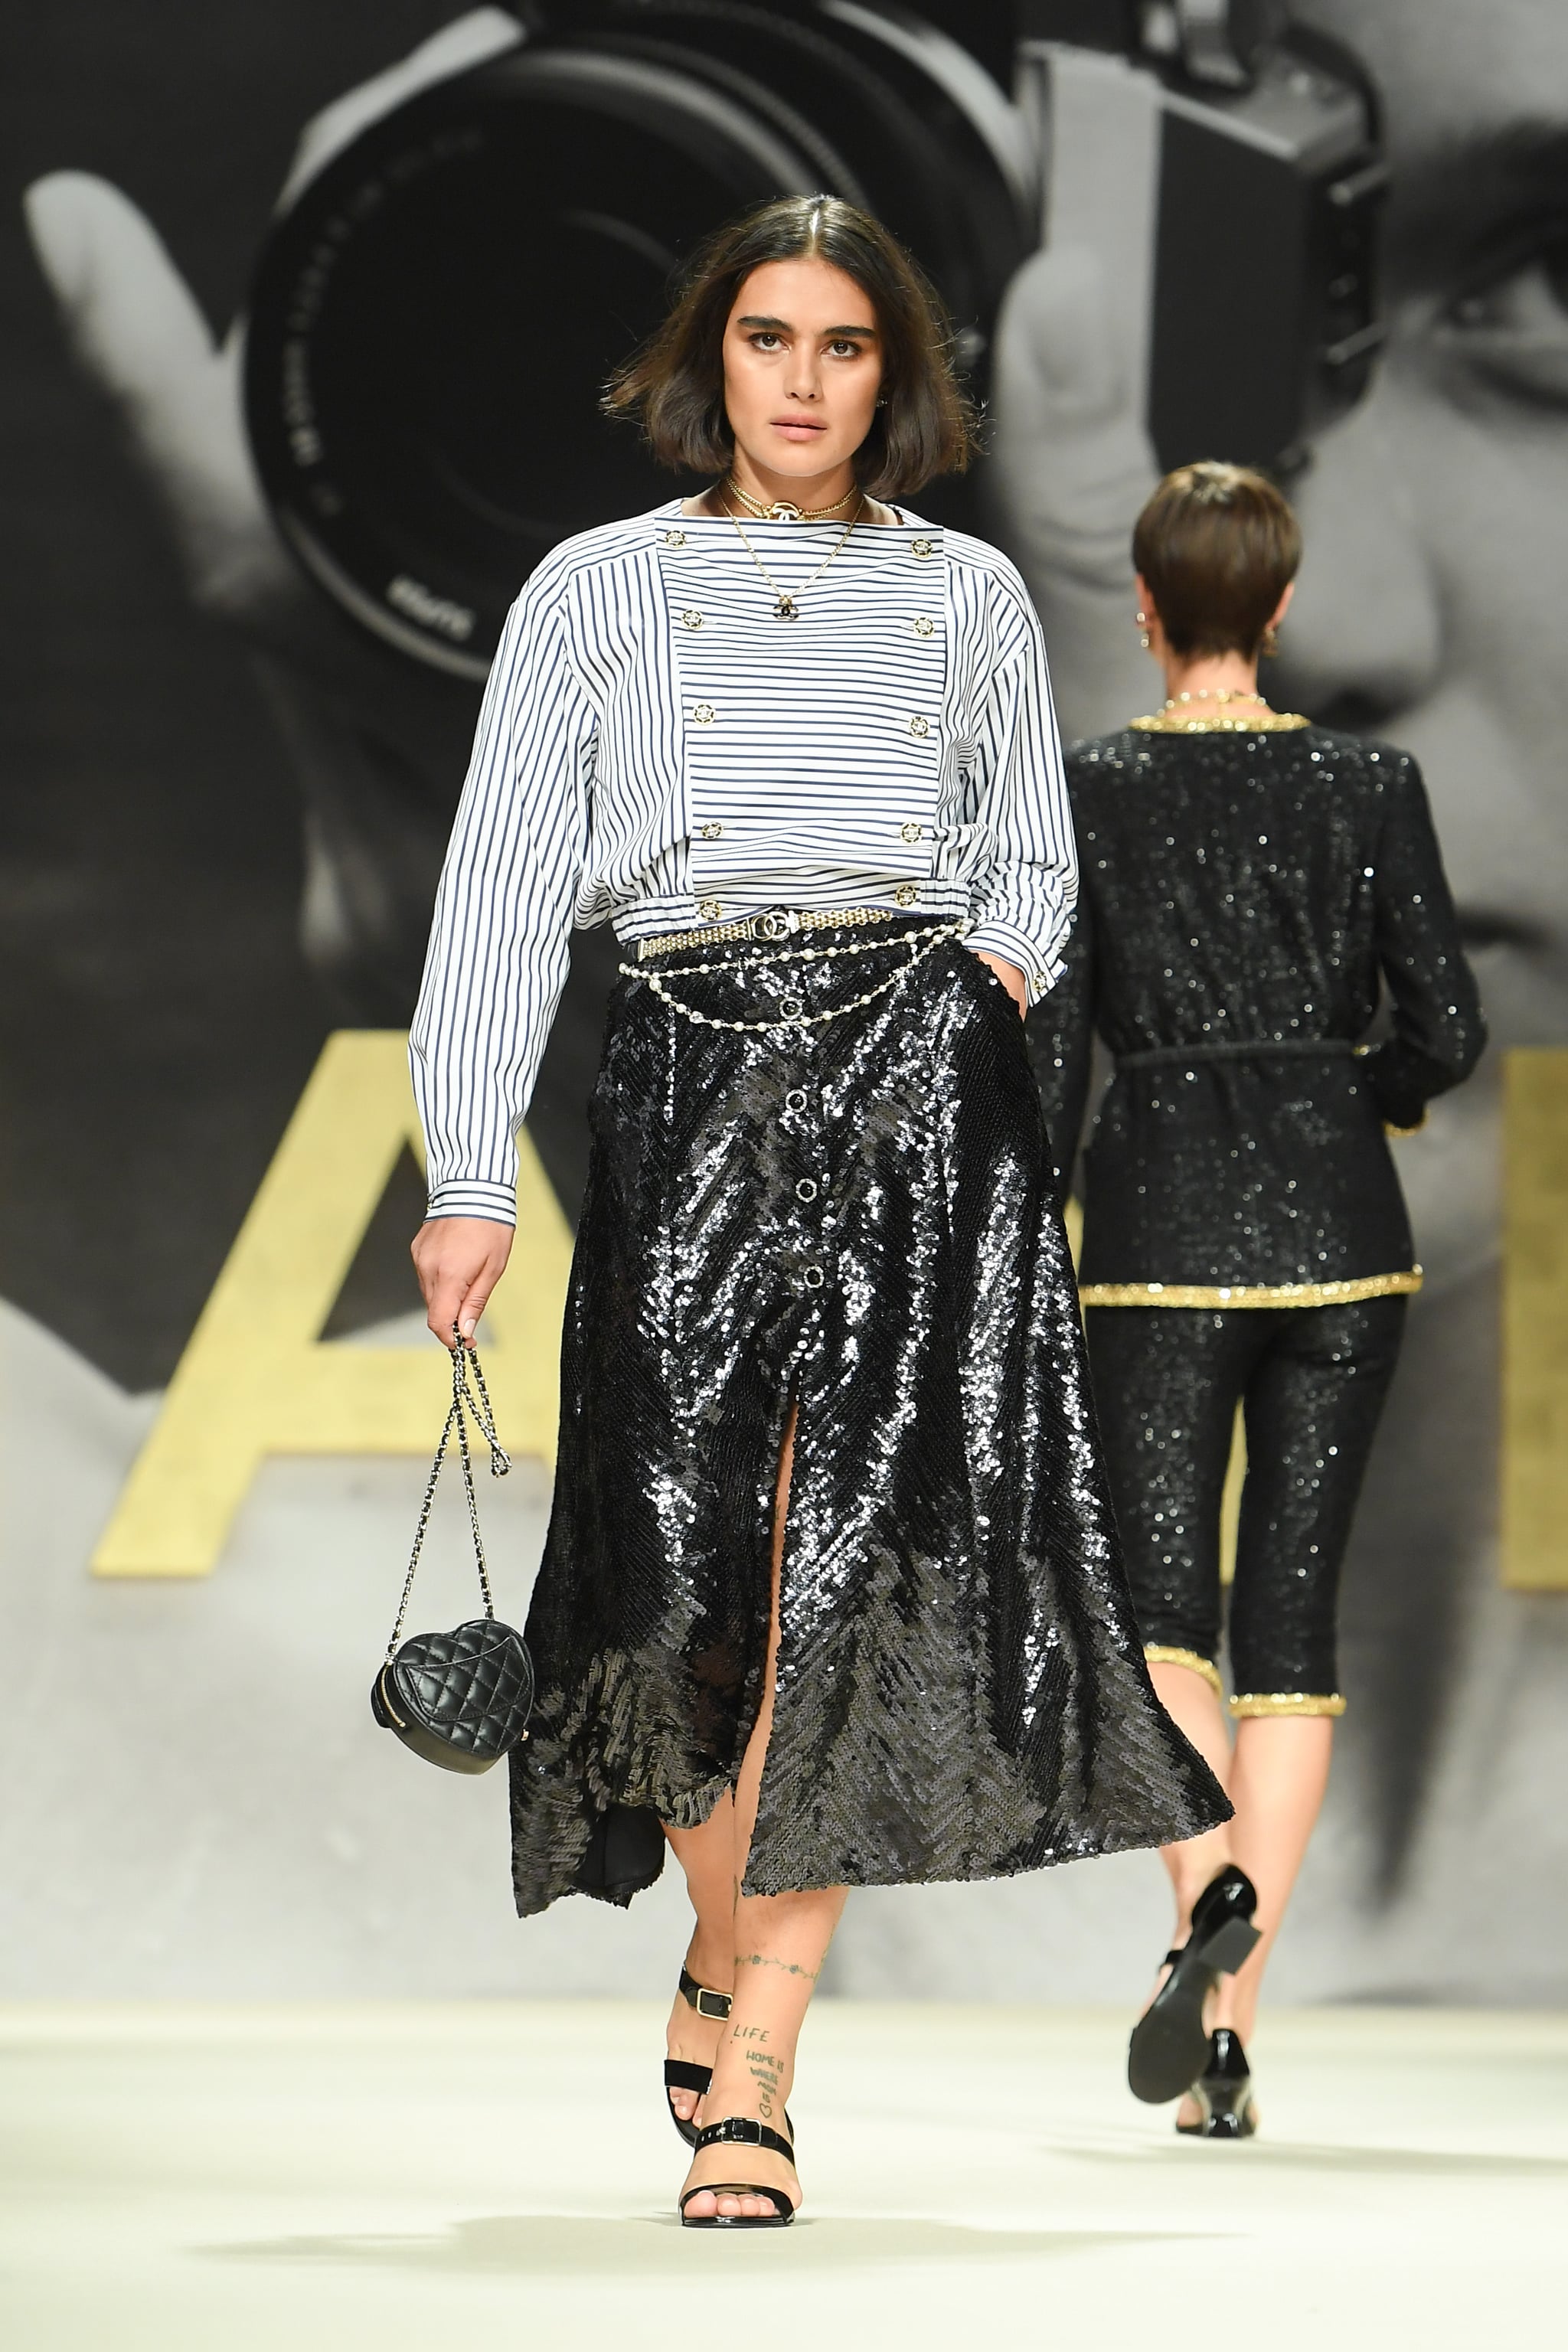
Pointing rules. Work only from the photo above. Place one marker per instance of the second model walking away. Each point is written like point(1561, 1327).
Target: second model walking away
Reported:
point(1252, 885)
point(831, 1594)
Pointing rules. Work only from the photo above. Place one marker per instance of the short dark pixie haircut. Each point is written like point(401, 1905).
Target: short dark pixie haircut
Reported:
point(1217, 546)
point(924, 422)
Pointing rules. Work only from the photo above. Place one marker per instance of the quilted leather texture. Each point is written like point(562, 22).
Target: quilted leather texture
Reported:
point(461, 1698)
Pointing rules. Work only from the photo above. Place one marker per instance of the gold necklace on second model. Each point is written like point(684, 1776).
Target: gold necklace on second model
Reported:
point(787, 607)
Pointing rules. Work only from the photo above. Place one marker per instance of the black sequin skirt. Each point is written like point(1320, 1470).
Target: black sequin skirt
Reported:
point(858, 1220)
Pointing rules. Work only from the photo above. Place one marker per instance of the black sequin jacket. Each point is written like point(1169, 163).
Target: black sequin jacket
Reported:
point(1238, 890)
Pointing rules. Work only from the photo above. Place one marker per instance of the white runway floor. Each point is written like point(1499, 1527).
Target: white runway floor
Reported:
point(447, 2178)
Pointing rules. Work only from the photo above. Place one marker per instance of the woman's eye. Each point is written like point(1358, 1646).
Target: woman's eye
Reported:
point(763, 342)
point(1515, 325)
point(843, 350)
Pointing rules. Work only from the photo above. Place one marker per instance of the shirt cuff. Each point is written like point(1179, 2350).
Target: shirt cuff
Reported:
point(993, 935)
point(473, 1196)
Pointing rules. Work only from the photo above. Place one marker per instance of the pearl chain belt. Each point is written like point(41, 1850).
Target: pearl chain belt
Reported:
point(791, 1015)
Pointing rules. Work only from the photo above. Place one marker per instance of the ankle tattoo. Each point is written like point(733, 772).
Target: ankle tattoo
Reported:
point(765, 1960)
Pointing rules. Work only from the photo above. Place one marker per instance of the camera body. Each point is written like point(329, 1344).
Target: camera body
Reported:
point(1224, 166)
point(437, 309)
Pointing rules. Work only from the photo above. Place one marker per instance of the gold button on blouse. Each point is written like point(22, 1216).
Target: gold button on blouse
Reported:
point(925, 626)
point(675, 539)
point(711, 831)
point(709, 910)
point(918, 726)
point(704, 714)
point(921, 547)
point(691, 620)
point(906, 894)
point(910, 832)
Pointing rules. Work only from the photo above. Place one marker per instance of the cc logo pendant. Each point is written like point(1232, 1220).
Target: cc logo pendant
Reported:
point(783, 512)
point(786, 609)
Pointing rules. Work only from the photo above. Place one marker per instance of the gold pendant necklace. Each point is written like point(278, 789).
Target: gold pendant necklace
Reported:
point(783, 510)
point(787, 608)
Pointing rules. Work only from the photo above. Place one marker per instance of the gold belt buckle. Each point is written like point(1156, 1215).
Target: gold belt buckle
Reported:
point(772, 926)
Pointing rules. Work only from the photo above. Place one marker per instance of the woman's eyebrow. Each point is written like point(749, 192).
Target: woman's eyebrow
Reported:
point(782, 327)
point(1470, 183)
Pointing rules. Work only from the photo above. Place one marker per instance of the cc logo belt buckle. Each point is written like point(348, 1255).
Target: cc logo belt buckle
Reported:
point(771, 927)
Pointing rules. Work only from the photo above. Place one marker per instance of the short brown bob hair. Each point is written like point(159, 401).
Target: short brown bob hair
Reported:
point(1216, 546)
point(924, 422)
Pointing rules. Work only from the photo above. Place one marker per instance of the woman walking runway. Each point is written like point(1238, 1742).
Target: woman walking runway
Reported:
point(831, 1595)
point(1253, 885)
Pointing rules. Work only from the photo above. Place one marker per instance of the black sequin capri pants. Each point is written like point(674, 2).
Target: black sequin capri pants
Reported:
point(1311, 1381)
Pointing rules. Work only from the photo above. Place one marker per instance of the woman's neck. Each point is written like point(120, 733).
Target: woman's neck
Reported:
point(836, 487)
point(1209, 678)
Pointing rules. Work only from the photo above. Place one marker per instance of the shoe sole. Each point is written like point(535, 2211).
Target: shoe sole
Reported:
point(1170, 2044)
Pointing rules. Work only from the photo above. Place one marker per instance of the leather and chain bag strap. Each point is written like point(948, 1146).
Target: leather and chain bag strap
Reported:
point(459, 1699)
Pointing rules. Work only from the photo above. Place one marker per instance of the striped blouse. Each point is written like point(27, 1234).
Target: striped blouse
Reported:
point(657, 750)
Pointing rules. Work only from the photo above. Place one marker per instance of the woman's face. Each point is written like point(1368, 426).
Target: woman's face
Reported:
point(1433, 597)
point(803, 364)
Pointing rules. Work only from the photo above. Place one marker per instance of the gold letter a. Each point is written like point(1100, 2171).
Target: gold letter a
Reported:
point(254, 1378)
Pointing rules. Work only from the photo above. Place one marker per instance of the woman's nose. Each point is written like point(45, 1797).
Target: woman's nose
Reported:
point(803, 378)
point(1363, 636)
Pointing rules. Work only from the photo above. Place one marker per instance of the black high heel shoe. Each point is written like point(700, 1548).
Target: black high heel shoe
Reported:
point(1169, 2047)
point(743, 2133)
point(680, 2074)
point(1223, 2091)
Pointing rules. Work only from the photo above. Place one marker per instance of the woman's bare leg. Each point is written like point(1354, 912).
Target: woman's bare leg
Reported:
point(1279, 1774)
point(778, 1944)
point(1275, 1777)
point(706, 1855)
point(1193, 1705)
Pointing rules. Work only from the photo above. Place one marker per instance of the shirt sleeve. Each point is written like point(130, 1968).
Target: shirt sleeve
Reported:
point(1024, 906)
point(1438, 1028)
point(500, 939)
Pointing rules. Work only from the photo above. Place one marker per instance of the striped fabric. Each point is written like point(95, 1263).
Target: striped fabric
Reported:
point(657, 750)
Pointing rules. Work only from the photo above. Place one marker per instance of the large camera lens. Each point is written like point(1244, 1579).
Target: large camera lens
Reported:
point(434, 318)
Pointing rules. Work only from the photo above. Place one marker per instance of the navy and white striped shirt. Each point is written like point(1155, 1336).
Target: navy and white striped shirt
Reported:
point(657, 750)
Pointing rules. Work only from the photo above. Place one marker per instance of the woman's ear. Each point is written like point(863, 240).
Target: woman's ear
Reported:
point(1283, 606)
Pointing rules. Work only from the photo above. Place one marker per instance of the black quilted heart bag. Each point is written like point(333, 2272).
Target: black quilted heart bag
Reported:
point(459, 1700)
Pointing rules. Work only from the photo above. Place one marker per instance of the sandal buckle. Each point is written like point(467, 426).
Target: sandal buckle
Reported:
point(720, 2001)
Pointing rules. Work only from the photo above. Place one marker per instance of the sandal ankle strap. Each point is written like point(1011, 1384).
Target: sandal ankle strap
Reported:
point(744, 2131)
point(703, 1999)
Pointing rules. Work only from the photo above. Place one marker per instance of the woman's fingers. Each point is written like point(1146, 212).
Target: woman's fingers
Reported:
point(459, 1260)
point(1073, 466)
point(457, 48)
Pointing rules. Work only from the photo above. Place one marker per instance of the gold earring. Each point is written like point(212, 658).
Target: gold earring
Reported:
point(1143, 637)
point(1269, 644)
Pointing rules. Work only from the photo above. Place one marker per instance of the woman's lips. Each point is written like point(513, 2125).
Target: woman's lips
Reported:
point(796, 429)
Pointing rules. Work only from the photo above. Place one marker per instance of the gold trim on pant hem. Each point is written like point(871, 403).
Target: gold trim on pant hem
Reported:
point(1161, 1653)
point(1286, 1702)
point(1251, 1294)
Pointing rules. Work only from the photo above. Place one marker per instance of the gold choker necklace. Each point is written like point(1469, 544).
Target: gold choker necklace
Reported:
point(782, 510)
point(1220, 694)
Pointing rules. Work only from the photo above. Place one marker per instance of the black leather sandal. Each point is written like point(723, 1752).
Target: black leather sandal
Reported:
point(1170, 2045)
point(740, 2131)
point(680, 2073)
point(1223, 2091)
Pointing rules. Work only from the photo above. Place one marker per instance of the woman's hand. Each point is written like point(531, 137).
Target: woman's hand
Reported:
point(1011, 978)
point(459, 1261)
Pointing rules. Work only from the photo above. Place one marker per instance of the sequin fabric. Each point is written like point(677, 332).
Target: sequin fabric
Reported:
point(1312, 1384)
point(1241, 887)
point(860, 1218)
